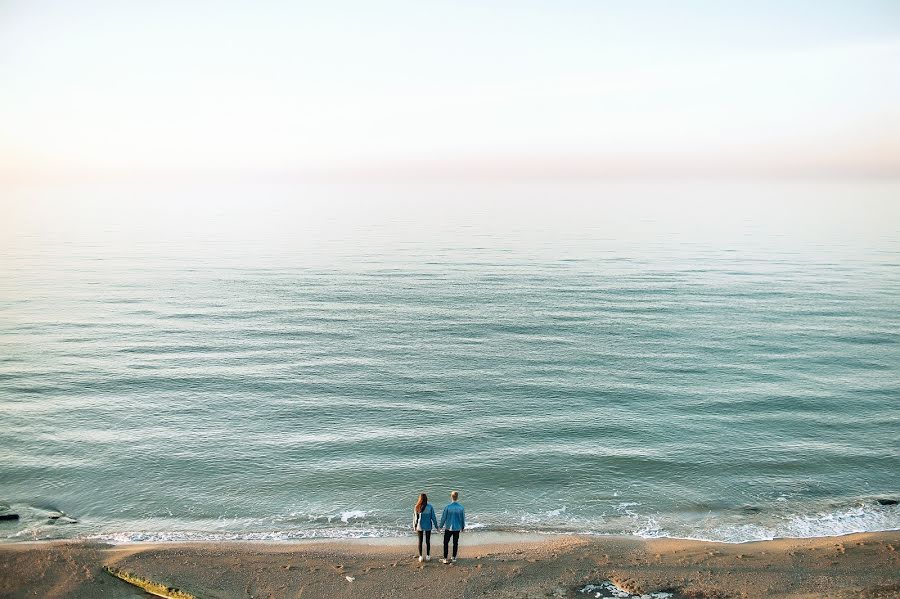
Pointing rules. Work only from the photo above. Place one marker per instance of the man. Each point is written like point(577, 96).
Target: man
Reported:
point(453, 521)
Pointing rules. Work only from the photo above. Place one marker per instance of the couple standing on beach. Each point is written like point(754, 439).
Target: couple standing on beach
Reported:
point(453, 521)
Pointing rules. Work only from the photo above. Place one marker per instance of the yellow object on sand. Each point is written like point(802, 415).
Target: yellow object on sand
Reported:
point(154, 588)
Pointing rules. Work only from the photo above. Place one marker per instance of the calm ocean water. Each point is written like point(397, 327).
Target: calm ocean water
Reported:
point(717, 361)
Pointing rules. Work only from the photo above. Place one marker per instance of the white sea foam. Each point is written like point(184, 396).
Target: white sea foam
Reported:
point(549, 517)
point(122, 538)
point(777, 520)
point(843, 521)
point(824, 524)
point(352, 515)
point(345, 517)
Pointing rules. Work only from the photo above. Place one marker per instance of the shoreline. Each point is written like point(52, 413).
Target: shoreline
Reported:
point(492, 564)
point(474, 537)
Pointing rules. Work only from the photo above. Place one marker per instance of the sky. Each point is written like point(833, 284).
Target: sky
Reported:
point(394, 89)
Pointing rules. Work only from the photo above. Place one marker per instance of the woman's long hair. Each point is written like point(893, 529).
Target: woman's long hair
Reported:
point(421, 503)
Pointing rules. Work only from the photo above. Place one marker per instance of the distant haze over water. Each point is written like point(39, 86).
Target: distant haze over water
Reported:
point(717, 361)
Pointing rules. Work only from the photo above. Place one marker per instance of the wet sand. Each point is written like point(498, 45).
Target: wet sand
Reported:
point(854, 566)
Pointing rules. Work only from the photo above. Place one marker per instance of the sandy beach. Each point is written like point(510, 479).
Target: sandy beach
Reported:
point(490, 565)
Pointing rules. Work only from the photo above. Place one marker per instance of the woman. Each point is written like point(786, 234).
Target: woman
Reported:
point(424, 520)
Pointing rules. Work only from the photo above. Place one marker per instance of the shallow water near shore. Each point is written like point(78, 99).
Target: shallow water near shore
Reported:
point(279, 362)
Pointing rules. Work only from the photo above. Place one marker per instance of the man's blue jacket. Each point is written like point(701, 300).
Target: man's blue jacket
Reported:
point(453, 517)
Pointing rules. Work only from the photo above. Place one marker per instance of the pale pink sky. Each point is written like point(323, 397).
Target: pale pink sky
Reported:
point(456, 89)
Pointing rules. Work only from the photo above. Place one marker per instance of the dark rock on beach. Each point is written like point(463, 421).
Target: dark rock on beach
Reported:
point(9, 516)
point(59, 517)
point(887, 501)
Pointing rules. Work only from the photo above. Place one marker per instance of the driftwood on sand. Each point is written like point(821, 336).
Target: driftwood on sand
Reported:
point(154, 588)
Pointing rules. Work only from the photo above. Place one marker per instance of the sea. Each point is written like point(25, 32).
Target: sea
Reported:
point(287, 360)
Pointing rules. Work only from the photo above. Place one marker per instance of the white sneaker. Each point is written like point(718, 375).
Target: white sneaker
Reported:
point(427, 558)
point(453, 559)
point(421, 559)
point(445, 561)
